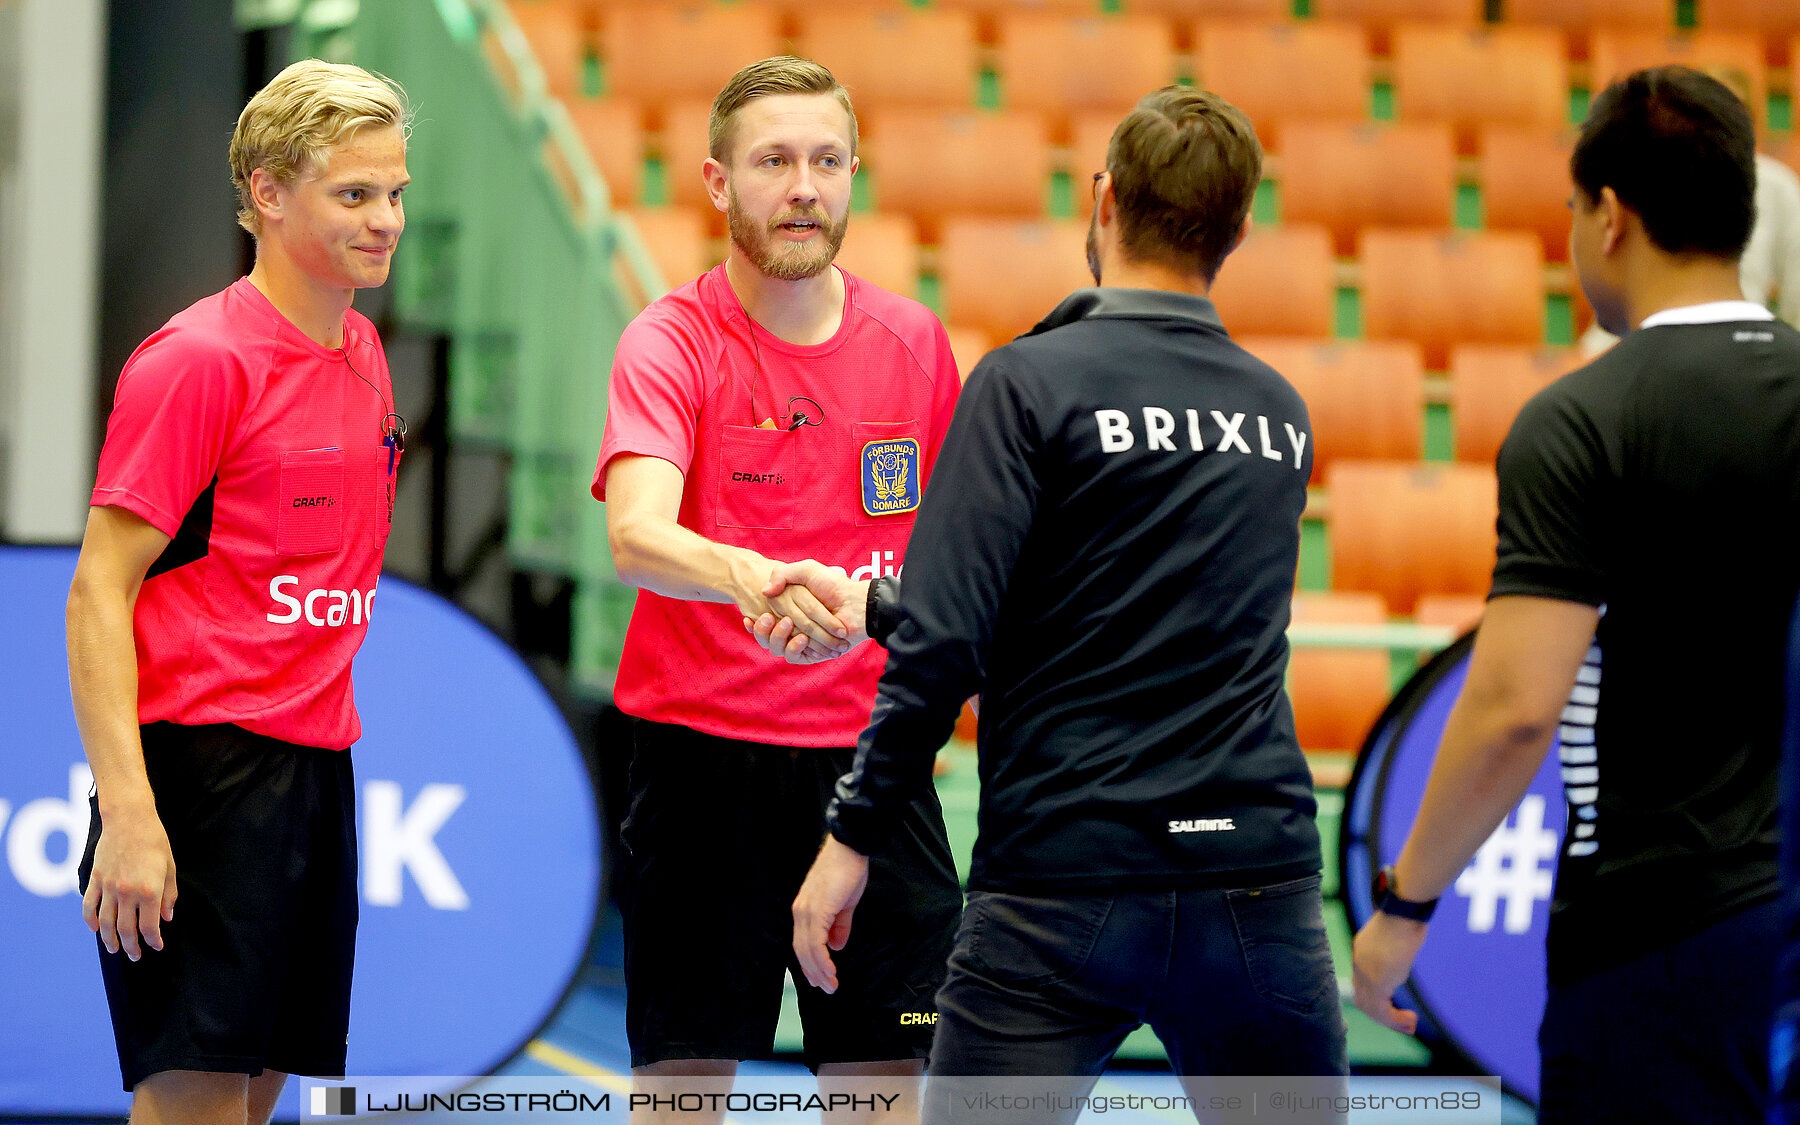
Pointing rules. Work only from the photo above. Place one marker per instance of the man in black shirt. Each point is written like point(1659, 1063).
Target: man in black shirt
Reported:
point(1107, 555)
point(1647, 563)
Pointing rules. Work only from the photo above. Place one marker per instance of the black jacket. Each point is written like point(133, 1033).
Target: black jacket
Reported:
point(1106, 553)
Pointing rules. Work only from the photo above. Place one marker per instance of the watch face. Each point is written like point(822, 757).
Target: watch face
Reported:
point(1386, 901)
point(1382, 887)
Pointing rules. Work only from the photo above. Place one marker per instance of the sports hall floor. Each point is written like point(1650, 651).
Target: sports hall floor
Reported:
point(586, 1038)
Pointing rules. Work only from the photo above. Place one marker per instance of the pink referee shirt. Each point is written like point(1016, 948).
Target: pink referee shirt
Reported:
point(843, 492)
point(260, 452)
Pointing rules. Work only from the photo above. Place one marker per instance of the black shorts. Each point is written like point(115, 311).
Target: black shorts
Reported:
point(719, 837)
point(254, 972)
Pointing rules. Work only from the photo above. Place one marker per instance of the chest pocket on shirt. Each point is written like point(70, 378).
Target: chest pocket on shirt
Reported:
point(756, 478)
point(890, 467)
point(309, 516)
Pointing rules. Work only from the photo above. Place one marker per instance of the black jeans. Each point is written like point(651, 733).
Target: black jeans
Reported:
point(1680, 1034)
point(1234, 982)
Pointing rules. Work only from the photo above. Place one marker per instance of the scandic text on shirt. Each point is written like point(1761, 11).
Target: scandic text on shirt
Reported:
point(340, 607)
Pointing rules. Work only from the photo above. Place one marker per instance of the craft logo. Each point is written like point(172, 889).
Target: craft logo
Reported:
point(334, 1101)
point(890, 478)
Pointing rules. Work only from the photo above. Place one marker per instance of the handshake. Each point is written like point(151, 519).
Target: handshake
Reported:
point(812, 612)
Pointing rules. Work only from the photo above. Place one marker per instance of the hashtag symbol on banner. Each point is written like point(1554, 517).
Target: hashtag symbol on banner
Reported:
point(1509, 867)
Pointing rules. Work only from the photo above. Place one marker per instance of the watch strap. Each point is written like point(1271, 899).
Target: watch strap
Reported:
point(1389, 902)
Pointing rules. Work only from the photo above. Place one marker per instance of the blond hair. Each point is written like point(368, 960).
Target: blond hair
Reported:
point(783, 74)
point(304, 111)
point(1184, 164)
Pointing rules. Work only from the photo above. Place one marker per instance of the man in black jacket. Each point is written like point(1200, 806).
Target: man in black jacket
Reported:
point(1108, 556)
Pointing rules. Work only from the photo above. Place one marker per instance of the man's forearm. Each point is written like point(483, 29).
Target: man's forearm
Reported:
point(1484, 767)
point(103, 685)
point(657, 554)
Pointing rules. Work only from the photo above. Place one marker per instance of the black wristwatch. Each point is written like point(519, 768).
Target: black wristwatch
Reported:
point(1388, 900)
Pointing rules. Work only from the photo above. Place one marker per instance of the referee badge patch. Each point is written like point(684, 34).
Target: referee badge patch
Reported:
point(890, 476)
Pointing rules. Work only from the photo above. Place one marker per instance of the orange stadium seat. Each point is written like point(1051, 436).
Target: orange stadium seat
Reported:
point(1486, 76)
point(883, 249)
point(1460, 612)
point(1616, 53)
point(1380, 16)
point(1488, 385)
point(662, 51)
point(1581, 17)
point(928, 163)
point(1002, 276)
point(1281, 281)
point(1444, 289)
point(1389, 12)
point(613, 132)
point(1774, 22)
point(1406, 529)
point(1254, 67)
point(1352, 176)
point(560, 37)
point(968, 345)
point(1062, 7)
point(1525, 183)
point(1366, 398)
point(1269, 11)
point(1058, 64)
point(1337, 693)
point(896, 56)
point(1092, 132)
point(684, 152)
point(676, 239)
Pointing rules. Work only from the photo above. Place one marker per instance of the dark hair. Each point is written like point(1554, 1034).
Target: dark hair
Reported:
point(1184, 164)
point(1677, 147)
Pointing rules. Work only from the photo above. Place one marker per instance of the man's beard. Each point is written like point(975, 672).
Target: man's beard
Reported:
point(782, 261)
point(1093, 245)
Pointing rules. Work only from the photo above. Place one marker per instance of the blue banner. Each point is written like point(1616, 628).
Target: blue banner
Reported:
point(1479, 982)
